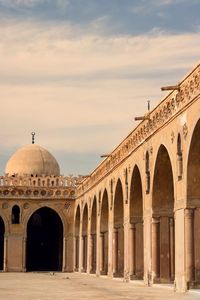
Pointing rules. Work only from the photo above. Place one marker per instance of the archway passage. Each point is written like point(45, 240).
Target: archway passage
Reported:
point(2, 231)
point(93, 239)
point(77, 238)
point(136, 229)
point(85, 239)
point(118, 234)
point(44, 241)
point(192, 216)
point(163, 239)
point(104, 235)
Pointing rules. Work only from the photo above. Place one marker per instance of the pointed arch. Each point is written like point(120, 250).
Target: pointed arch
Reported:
point(77, 237)
point(44, 250)
point(163, 239)
point(104, 234)
point(84, 237)
point(93, 235)
point(193, 200)
point(118, 231)
point(136, 230)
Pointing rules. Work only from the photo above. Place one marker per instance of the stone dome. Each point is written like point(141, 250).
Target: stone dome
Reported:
point(32, 160)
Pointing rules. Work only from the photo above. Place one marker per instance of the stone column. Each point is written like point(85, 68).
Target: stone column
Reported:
point(110, 244)
point(132, 249)
point(64, 254)
point(126, 228)
point(88, 247)
point(80, 248)
point(155, 249)
point(24, 254)
point(94, 261)
point(115, 251)
point(5, 254)
point(85, 243)
point(92, 252)
point(77, 253)
point(189, 245)
point(98, 246)
point(172, 251)
point(147, 247)
point(101, 251)
point(180, 276)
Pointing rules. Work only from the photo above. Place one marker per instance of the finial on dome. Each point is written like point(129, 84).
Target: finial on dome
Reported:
point(33, 137)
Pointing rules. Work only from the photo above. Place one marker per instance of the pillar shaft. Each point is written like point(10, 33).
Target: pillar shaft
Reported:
point(189, 244)
point(155, 249)
point(172, 247)
point(80, 248)
point(101, 252)
point(115, 251)
point(132, 249)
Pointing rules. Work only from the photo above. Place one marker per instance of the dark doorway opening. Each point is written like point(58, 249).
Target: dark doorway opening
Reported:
point(44, 241)
point(2, 231)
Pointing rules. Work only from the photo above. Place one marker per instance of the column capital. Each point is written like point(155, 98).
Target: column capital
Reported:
point(155, 220)
point(132, 226)
point(189, 213)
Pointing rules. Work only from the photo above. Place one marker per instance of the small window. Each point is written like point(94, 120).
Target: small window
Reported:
point(179, 158)
point(15, 214)
point(147, 171)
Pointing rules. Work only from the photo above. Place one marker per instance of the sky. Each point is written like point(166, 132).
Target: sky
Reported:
point(77, 72)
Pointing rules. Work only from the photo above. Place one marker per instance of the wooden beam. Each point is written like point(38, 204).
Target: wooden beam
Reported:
point(170, 88)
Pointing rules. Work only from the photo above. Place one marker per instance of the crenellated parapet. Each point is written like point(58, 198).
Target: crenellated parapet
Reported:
point(39, 186)
point(41, 181)
point(170, 107)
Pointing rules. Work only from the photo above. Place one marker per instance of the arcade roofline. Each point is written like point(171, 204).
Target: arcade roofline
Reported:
point(164, 112)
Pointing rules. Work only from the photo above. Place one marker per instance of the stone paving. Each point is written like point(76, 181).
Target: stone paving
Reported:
point(43, 286)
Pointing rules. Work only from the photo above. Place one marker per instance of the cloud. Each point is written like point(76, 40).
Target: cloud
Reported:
point(63, 4)
point(18, 3)
point(80, 90)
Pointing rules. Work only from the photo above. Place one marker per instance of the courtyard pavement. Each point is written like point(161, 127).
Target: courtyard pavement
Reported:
point(36, 286)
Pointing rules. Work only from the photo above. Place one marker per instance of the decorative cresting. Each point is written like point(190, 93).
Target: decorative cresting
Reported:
point(39, 186)
point(168, 109)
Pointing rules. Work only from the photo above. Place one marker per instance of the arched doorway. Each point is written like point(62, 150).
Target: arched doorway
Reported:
point(104, 235)
point(2, 231)
point(77, 233)
point(118, 234)
point(136, 230)
point(163, 239)
point(84, 238)
point(44, 241)
point(93, 236)
point(192, 213)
